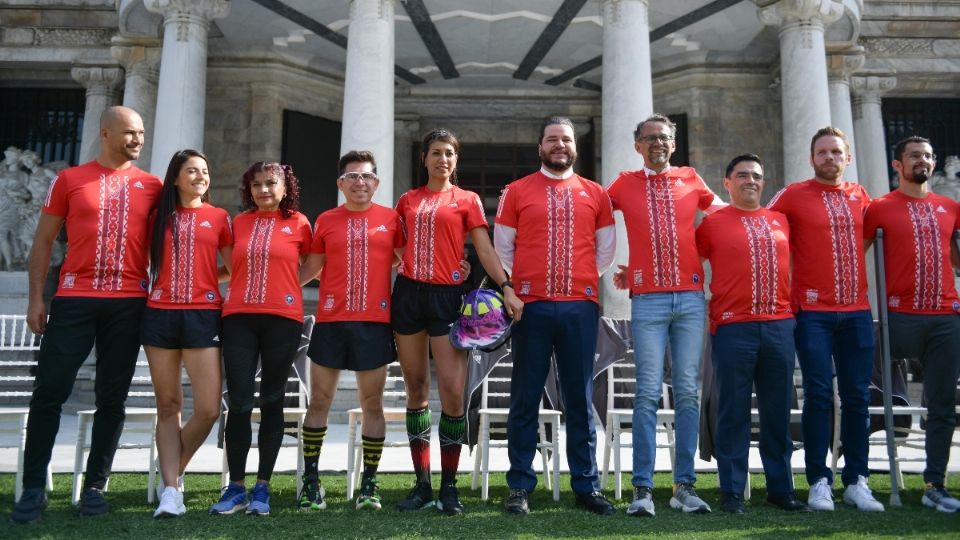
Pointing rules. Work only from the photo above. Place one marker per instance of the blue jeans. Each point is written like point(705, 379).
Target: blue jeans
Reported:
point(680, 318)
point(841, 341)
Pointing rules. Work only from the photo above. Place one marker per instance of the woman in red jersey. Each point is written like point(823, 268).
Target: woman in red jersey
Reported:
point(181, 323)
point(437, 219)
point(262, 321)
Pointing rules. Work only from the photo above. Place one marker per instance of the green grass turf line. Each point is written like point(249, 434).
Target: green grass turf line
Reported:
point(130, 515)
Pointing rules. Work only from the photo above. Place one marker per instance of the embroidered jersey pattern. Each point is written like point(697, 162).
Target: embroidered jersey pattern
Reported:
point(763, 260)
point(423, 239)
point(258, 258)
point(181, 262)
point(111, 233)
point(845, 247)
point(559, 241)
point(663, 232)
point(926, 232)
point(358, 250)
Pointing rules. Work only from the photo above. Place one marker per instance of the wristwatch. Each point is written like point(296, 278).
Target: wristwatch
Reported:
point(506, 283)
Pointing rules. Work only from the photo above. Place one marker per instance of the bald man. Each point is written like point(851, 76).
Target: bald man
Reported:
point(105, 205)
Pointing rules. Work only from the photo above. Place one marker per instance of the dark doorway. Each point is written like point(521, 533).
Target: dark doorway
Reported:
point(311, 145)
point(935, 119)
point(48, 121)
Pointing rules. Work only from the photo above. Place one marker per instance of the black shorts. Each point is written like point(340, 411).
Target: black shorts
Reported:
point(180, 328)
point(352, 345)
point(419, 306)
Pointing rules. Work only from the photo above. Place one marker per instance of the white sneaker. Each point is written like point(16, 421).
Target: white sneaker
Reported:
point(859, 495)
point(821, 496)
point(171, 504)
point(161, 486)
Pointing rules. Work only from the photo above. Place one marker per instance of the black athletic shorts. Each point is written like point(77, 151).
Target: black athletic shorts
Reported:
point(419, 306)
point(180, 328)
point(352, 345)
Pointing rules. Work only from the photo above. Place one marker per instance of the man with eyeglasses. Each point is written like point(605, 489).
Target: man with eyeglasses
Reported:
point(355, 245)
point(834, 324)
point(665, 279)
point(918, 226)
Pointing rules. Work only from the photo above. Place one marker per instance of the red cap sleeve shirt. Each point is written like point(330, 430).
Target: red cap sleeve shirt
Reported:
point(826, 239)
point(188, 274)
point(436, 225)
point(265, 269)
point(659, 213)
point(916, 251)
point(555, 255)
point(359, 248)
point(106, 213)
point(749, 253)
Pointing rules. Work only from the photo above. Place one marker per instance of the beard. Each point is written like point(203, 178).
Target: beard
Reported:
point(827, 172)
point(555, 163)
point(917, 176)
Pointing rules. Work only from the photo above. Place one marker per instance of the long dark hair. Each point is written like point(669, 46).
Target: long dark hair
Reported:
point(436, 135)
point(289, 204)
point(167, 208)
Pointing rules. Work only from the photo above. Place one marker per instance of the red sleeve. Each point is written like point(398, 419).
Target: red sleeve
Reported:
point(401, 213)
point(605, 215)
point(226, 232)
point(475, 214)
point(871, 222)
point(865, 197)
point(613, 191)
point(56, 202)
point(703, 238)
point(306, 233)
point(318, 245)
point(779, 202)
point(706, 195)
point(400, 238)
point(506, 210)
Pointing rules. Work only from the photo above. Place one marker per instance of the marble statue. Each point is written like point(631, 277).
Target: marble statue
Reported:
point(947, 183)
point(23, 187)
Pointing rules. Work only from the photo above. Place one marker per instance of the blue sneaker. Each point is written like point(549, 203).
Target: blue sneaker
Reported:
point(259, 500)
point(233, 500)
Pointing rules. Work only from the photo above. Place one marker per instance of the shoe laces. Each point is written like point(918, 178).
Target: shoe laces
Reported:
point(862, 484)
point(641, 492)
point(260, 493)
point(686, 490)
point(515, 493)
point(369, 487)
point(232, 489)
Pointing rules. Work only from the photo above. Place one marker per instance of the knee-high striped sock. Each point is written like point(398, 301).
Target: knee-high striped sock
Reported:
point(451, 441)
point(312, 442)
point(418, 433)
point(372, 450)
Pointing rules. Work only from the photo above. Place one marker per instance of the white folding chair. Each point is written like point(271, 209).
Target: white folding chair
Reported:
point(493, 421)
point(395, 419)
point(19, 347)
point(295, 396)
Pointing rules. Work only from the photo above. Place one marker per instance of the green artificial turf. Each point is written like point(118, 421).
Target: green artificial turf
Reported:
point(130, 515)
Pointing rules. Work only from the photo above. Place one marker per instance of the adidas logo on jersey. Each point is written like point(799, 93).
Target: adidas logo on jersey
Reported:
point(941, 210)
point(453, 205)
point(854, 198)
point(777, 223)
point(286, 230)
point(678, 183)
point(382, 228)
point(138, 184)
point(206, 224)
point(583, 193)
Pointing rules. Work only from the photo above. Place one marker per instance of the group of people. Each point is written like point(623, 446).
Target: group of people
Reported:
point(143, 270)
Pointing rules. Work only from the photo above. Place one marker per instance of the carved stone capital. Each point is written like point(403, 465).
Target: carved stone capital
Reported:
point(98, 80)
point(190, 19)
point(782, 12)
point(613, 12)
point(841, 65)
point(379, 9)
point(871, 87)
point(141, 59)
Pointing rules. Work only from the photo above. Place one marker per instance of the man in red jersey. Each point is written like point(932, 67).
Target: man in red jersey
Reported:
point(752, 328)
point(834, 324)
point(665, 279)
point(922, 297)
point(555, 233)
point(105, 205)
point(355, 245)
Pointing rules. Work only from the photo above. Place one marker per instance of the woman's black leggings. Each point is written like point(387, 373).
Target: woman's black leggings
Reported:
point(247, 338)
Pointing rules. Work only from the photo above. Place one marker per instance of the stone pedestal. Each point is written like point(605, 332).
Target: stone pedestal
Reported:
point(101, 84)
point(627, 99)
point(839, 68)
point(181, 91)
point(803, 76)
point(368, 97)
point(140, 62)
point(868, 125)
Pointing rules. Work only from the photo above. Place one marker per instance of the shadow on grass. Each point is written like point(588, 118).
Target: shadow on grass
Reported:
point(130, 515)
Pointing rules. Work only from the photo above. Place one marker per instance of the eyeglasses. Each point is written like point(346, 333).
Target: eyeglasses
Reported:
point(650, 139)
point(917, 156)
point(354, 177)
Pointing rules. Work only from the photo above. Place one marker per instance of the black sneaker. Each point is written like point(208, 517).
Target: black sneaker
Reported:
point(92, 502)
point(595, 502)
point(311, 495)
point(788, 502)
point(420, 497)
point(732, 503)
point(30, 507)
point(449, 500)
point(369, 498)
point(516, 502)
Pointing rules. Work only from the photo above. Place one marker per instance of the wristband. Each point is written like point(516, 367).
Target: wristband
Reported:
point(506, 283)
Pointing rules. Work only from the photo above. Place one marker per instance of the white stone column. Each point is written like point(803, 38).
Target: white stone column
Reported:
point(868, 125)
point(805, 99)
point(627, 99)
point(406, 133)
point(140, 62)
point(181, 91)
point(839, 67)
point(101, 84)
point(368, 89)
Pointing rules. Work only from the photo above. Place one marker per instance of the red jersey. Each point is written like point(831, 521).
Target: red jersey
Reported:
point(826, 239)
point(749, 253)
point(555, 255)
point(659, 213)
point(187, 278)
point(436, 225)
point(355, 281)
point(916, 251)
point(265, 270)
point(106, 213)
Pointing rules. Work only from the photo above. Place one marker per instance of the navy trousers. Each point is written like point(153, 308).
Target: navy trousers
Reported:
point(568, 330)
